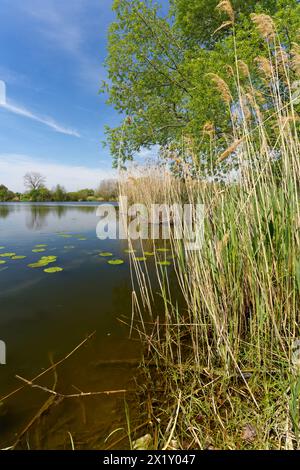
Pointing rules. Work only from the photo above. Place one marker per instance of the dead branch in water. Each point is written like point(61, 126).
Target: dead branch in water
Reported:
point(43, 409)
point(71, 395)
point(53, 366)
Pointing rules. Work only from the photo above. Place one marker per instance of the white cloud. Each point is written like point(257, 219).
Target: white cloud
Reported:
point(47, 121)
point(14, 166)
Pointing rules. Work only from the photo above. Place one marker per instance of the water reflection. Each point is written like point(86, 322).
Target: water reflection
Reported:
point(38, 215)
point(36, 219)
point(4, 212)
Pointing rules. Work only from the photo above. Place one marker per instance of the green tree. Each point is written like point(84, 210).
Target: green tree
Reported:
point(59, 193)
point(167, 74)
point(41, 194)
point(84, 194)
point(5, 194)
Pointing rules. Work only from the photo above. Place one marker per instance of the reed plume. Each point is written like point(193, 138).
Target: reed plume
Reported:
point(208, 128)
point(232, 148)
point(265, 25)
point(264, 66)
point(295, 52)
point(243, 68)
point(222, 87)
point(225, 7)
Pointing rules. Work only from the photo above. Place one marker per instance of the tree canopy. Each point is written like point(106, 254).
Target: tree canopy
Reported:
point(172, 77)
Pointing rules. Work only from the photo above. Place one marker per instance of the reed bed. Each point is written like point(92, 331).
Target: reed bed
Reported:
point(223, 342)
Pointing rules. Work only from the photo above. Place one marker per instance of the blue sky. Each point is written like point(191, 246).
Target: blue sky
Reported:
point(51, 60)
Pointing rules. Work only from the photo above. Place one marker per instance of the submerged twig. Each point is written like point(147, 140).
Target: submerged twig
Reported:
point(71, 395)
point(53, 366)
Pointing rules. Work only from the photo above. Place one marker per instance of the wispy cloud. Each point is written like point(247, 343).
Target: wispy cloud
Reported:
point(14, 166)
point(47, 121)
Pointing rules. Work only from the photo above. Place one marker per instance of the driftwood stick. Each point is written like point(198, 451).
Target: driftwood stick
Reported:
point(44, 408)
point(53, 366)
point(71, 395)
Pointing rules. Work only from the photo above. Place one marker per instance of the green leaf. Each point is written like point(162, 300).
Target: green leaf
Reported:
point(105, 254)
point(55, 269)
point(115, 262)
point(7, 255)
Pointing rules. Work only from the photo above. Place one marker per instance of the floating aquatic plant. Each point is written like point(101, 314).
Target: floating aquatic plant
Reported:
point(2, 247)
point(115, 261)
point(141, 258)
point(164, 263)
point(163, 250)
point(44, 261)
point(38, 264)
point(7, 255)
point(49, 259)
point(2, 261)
point(148, 253)
point(81, 238)
point(65, 235)
point(105, 254)
point(40, 246)
point(129, 252)
point(18, 257)
point(38, 250)
point(55, 269)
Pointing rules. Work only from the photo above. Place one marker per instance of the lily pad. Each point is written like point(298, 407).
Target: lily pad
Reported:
point(40, 246)
point(115, 262)
point(129, 252)
point(7, 255)
point(38, 250)
point(141, 258)
point(105, 254)
point(55, 269)
point(18, 257)
point(148, 253)
point(44, 261)
point(49, 259)
point(2, 247)
point(2, 261)
point(81, 238)
point(164, 263)
point(163, 250)
point(65, 235)
point(38, 264)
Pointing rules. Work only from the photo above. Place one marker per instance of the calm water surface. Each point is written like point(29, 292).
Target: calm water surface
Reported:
point(44, 316)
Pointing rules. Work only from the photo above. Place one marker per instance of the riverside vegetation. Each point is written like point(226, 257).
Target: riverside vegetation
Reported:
point(38, 192)
point(221, 364)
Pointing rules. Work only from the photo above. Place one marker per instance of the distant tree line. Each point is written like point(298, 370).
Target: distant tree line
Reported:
point(37, 191)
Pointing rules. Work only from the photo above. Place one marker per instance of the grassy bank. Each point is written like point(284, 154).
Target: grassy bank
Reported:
point(226, 371)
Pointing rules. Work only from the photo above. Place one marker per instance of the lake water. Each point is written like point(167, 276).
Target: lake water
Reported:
point(44, 316)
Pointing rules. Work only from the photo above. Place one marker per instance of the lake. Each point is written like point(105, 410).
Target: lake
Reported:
point(43, 316)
